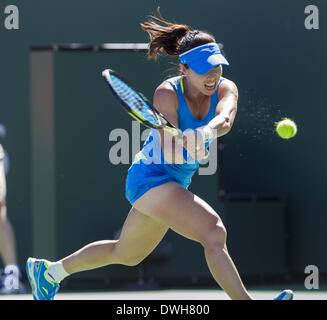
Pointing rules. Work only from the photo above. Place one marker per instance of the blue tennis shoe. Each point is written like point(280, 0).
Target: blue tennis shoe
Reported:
point(43, 286)
point(285, 295)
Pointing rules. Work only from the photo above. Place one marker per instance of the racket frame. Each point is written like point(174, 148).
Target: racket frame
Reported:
point(163, 123)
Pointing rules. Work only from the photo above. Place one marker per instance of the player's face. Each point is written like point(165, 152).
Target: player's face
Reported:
point(206, 84)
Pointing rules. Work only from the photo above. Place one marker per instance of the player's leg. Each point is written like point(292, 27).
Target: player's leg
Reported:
point(10, 278)
point(7, 237)
point(193, 218)
point(139, 237)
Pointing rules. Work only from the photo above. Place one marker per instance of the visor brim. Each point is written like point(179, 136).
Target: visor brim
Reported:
point(203, 66)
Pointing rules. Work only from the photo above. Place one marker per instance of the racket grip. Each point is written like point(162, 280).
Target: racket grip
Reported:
point(183, 138)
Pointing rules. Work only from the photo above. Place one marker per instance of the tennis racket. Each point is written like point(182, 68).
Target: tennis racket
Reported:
point(137, 105)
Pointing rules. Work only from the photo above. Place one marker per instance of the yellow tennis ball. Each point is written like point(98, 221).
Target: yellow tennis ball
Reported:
point(286, 128)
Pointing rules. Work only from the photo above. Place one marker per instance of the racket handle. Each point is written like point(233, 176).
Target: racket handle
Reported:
point(184, 145)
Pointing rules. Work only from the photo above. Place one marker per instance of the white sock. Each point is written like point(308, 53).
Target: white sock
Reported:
point(56, 271)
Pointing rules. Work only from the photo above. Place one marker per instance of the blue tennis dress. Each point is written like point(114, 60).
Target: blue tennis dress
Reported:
point(144, 174)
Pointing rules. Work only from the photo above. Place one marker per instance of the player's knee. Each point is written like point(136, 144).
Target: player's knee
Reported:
point(215, 238)
point(122, 257)
point(131, 261)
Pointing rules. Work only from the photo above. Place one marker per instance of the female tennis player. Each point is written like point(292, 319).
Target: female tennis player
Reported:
point(200, 98)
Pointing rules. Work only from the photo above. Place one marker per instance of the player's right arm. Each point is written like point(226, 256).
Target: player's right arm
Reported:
point(166, 102)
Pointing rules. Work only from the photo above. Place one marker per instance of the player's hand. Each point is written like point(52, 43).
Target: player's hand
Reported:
point(193, 141)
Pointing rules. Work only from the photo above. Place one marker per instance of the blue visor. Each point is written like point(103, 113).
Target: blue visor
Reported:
point(203, 58)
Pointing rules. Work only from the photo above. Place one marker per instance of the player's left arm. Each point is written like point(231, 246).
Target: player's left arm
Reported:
point(225, 112)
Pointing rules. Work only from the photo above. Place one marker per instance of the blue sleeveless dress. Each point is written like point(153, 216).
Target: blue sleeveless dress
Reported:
point(144, 173)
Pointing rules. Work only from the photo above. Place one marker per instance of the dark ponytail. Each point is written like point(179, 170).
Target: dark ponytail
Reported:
point(164, 36)
point(167, 38)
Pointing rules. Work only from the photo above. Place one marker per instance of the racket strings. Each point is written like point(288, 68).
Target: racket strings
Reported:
point(133, 99)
